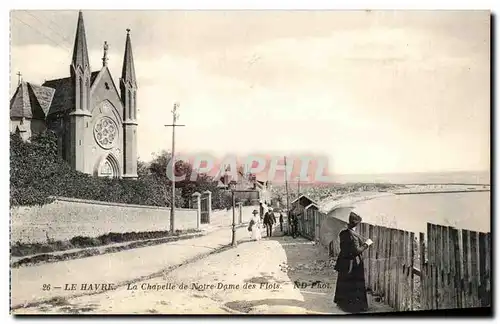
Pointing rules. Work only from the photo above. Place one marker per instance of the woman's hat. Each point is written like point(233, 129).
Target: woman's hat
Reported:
point(354, 219)
point(255, 211)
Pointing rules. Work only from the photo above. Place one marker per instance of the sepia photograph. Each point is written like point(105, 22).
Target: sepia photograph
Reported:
point(250, 162)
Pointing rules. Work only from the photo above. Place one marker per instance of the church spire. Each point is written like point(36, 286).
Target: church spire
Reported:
point(80, 53)
point(128, 70)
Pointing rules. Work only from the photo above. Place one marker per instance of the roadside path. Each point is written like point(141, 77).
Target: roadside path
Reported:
point(27, 283)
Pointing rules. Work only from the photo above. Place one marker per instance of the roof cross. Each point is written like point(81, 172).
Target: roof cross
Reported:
point(105, 56)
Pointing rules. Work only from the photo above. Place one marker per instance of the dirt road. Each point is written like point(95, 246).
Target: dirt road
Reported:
point(279, 275)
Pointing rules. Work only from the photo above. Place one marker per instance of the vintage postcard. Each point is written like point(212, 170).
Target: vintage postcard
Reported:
point(249, 162)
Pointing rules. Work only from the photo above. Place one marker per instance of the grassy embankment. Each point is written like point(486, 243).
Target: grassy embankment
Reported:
point(34, 253)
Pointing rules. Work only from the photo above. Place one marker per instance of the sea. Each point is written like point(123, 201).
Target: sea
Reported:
point(462, 177)
point(464, 210)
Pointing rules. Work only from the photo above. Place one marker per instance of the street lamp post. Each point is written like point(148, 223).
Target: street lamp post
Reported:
point(233, 241)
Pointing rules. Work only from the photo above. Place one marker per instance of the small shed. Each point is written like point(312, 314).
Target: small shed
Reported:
point(306, 210)
point(298, 205)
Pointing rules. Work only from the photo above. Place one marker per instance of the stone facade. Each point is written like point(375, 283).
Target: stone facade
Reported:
point(95, 121)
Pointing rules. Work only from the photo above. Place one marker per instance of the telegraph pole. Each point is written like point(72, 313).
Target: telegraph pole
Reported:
point(289, 226)
point(286, 188)
point(175, 116)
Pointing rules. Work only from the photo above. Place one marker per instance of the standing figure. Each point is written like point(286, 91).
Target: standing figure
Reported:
point(255, 226)
point(295, 226)
point(291, 224)
point(268, 222)
point(350, 293)
point(281, 221)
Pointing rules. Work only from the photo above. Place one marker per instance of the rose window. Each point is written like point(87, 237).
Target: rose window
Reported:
point(105, 132)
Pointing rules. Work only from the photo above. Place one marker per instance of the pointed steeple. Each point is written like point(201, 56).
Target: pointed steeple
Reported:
point(80, 53)
point(128, 70)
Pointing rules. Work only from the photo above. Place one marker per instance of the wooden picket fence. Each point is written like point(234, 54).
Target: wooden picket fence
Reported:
point(454, 267)
point(457, 271)
point(442, 269)
point(389, 265)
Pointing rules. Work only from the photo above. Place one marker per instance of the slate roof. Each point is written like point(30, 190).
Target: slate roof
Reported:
point(31, 101)
point(64, 96)
point(93, 76)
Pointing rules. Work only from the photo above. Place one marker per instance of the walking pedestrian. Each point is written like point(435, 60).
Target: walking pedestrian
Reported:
point(254, 226)
point(281, 221)
point(268, 222)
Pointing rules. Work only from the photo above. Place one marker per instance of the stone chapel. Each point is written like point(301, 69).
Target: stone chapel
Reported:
point(95, 123)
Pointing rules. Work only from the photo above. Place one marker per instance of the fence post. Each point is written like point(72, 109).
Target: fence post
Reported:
point(209, 204)
point(390, 242)
point(474, 269)
point(411, 266)
point(371, 253)
point(197, 204)
point(363, 231)
point(377, 255)
point(424, 276)
point(431, 234)
point(404, 287)
point(483, 269)
point(240, 207)
point(467, 268)
point(457, 274)
point(396, 268)
point(445, 259)
point(385, 272)
point(449, 249)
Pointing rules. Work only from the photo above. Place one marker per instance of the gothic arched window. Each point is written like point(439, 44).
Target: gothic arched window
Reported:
point(107, 170)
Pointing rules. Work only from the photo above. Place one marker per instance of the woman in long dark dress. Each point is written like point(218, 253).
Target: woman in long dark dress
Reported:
point(350, 293)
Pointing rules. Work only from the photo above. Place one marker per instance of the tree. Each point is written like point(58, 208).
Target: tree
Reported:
point(202, 182)
point(158, 166)
point(142, 169)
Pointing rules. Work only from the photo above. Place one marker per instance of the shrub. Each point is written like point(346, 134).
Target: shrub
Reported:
point(37, 172)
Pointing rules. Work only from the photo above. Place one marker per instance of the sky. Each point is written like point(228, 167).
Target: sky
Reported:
point(373, 91)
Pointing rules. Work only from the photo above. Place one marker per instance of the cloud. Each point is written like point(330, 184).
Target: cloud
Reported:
point(38, 63)
point(394, 96)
